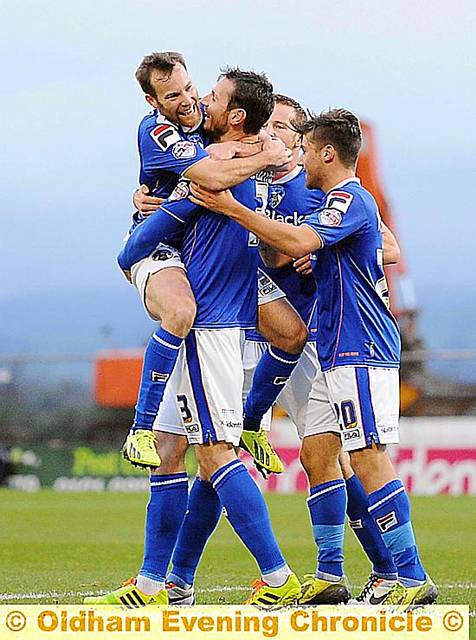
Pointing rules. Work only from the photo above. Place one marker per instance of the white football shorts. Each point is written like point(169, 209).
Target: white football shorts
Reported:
point(203, 397)
point(163, 257)
point(304, 397)
point(366, 400)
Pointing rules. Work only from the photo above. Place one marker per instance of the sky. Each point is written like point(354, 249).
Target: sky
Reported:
point(70, 109)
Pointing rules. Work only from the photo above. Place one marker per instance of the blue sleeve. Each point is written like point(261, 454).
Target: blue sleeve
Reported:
point(161, 225)
point(342, 215)
point(163, 148)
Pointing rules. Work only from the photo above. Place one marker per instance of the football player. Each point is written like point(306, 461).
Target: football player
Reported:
point(206, 383)
point(358, 344)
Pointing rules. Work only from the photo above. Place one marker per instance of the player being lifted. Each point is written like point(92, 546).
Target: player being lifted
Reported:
point(171, 141)
point(358, 344)
point(207, 380)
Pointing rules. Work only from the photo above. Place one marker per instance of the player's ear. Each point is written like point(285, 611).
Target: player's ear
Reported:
point(237, 117)
point(151, 100)
point(328, 153)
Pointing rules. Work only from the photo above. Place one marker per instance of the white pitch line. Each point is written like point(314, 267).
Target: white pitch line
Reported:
point(70, 594)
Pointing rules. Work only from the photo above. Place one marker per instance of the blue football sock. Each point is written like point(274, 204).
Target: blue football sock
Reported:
point(159, 360)
point(270, 376)
point(165, 513)
point(327, 504)
point(390, 508)
point(203, 514)
point(248, 514)
point(367, 532)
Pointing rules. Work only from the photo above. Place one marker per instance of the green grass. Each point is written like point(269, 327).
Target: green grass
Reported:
point(65, 545)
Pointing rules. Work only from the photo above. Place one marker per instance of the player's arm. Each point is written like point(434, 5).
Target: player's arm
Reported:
point(218, 174)
point(391, 248)
point(286, 238)
point(272, 258)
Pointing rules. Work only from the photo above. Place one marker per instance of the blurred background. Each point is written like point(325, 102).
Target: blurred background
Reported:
point(71, 329)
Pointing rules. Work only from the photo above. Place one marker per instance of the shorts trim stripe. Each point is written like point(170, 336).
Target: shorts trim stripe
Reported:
point(369, 425)
point(198, 390)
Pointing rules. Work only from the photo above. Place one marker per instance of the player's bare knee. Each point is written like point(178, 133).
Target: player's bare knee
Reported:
point(180, 315)
point(294, 340)
point(172, 450)
point(210, 458)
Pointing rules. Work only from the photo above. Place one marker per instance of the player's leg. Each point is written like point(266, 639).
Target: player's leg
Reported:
point(166, 295)
point(368, 404)
point(212, 414)
point(384, 571)
point(256, 443)
point(165, 510)
point(286, 333)
point(320, 449)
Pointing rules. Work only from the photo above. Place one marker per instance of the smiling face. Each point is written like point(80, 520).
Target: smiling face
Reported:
point(317, 161)
point(175, 96)
point(280, 125)
point(218, 117)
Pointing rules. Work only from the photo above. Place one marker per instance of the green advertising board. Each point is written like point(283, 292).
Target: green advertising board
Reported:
point(76, 468)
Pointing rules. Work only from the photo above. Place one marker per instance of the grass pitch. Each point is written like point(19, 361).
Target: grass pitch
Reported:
point(58, 547)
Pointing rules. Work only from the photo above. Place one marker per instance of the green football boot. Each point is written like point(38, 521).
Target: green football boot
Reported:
point(425, 593)
point(264, 596)
point(139, 449)
point(318, 591)
point(256, 443)
point(130, 596)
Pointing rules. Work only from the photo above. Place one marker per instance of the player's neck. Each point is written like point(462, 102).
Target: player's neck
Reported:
point(282, 174)
point(338, 176)
point(238, 136)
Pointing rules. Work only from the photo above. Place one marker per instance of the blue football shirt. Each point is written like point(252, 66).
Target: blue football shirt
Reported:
point(354, 323)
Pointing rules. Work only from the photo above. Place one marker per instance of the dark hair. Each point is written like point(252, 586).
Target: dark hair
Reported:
point(163, 61)
point(252, 92)
point(337, 127)
point(299, 114)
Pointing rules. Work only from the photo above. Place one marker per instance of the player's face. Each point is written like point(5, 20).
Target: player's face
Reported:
point(217, 114)
point(280, 125)
point(313, 164)
point(175, 97)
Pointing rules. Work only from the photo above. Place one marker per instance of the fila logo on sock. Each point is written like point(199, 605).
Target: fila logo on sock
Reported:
point(156, 376)
point(356, 524)
point(387, 522)
point(280, 380)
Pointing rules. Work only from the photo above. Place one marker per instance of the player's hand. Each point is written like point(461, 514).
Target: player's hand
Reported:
point(144, 203)
point(219, 201)
point(303, 265)
point(279, 156)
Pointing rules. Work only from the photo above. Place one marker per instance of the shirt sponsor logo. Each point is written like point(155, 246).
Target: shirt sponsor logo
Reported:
point(293, 218)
